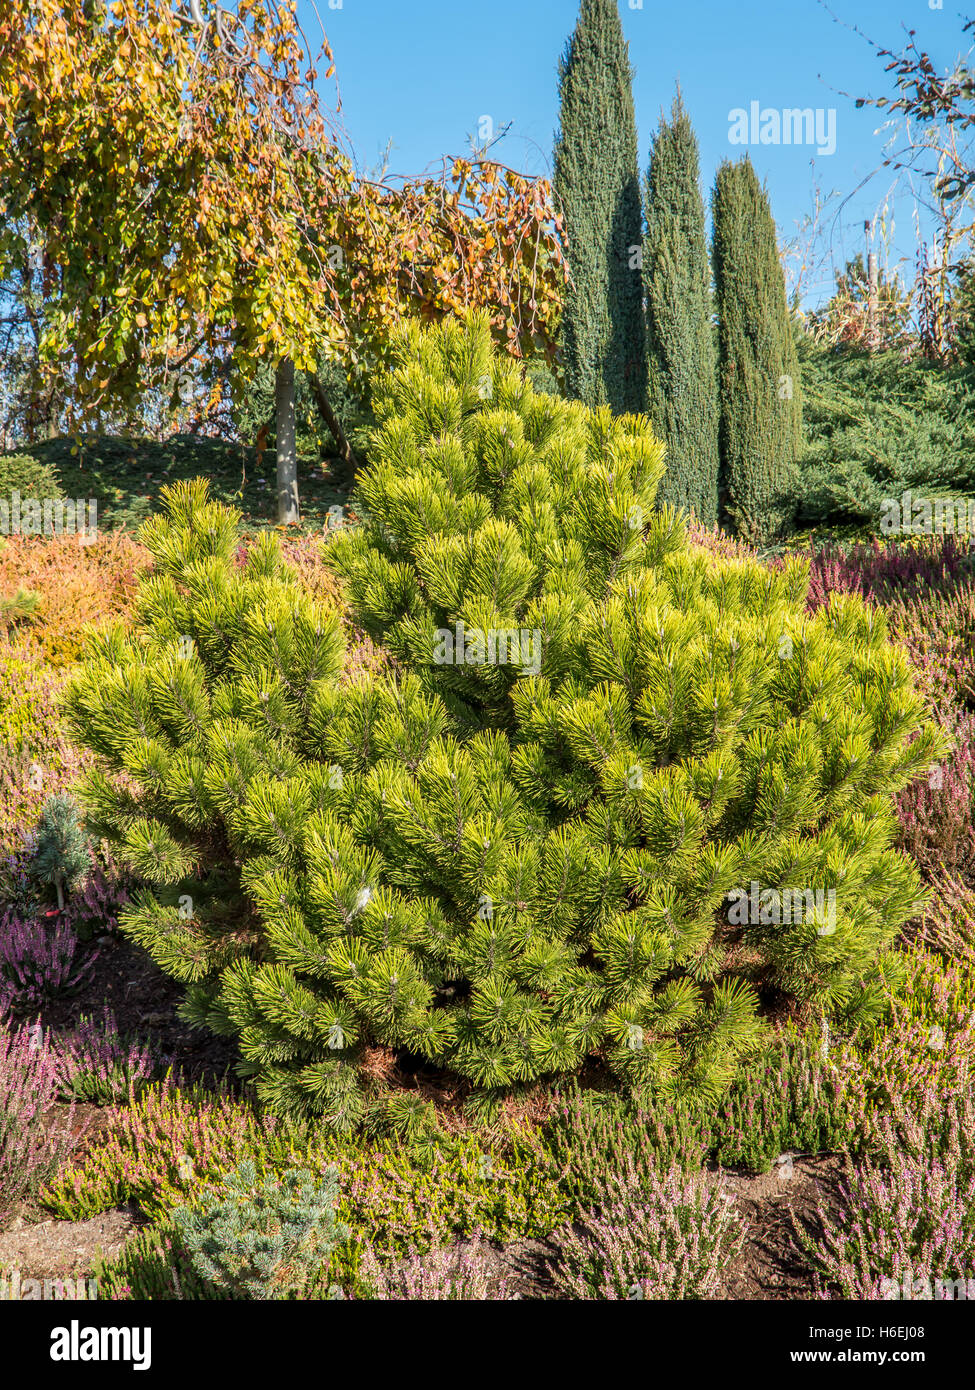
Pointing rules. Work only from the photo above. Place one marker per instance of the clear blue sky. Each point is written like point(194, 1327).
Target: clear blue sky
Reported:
point(422, 73)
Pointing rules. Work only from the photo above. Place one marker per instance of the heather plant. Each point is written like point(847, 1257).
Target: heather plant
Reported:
point(15, 608)
point(907, 1217)
point(800, 1097)
point(94, 908)
point(812, 1090)
point(31, 1149)
point(886, 570)
point(502, 866)
point(406, 1201)
point(804, 1094)
point(459, 1272)
point(593, 1139)
point(928, 595)
point(38, 962)
point(36, 757)
point(718, 542)
point(154, 1265)
point(96, 1064)
point(927, 1038)
point(263, 1239)
point(667, 1238)
point(75, 585)
point(938, 632)
point(169, 1143)
point(935, 813)
point(947, 924)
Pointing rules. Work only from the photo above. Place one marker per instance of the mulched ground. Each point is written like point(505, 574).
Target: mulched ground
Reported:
point(144, 1002)
point(49, 1249)
point(770, 1265)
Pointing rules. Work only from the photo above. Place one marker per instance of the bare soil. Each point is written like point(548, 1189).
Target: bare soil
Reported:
point(771, 1265)
point(144, 1002)
point(49, 1249)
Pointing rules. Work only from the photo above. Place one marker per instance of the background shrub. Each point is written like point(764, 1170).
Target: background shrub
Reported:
point(880, 424)
point(759, 393)
point(29, 476)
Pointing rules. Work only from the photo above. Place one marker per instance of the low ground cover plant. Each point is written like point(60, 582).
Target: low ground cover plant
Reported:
point(95, 1063)
point(671, 1240)
point(406, 1201)
point(38, 961)
point(31, 1148)
point(76, 581)
point(906, 1221)
point(457, 1273)
point(37, 759)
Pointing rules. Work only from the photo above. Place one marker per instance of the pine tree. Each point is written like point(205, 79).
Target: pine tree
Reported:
point(760, 404)
point(682, 370)
point(598, 187)
point(517, 850)
point(267, 1239)
point(61, 854)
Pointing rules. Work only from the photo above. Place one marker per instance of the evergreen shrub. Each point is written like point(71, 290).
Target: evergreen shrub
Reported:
point(513, 853)
point(263, 1239)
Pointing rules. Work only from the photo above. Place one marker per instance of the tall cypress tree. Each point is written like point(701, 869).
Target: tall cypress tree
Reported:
point(761, 410)
point(682, 370)
point(598, 184)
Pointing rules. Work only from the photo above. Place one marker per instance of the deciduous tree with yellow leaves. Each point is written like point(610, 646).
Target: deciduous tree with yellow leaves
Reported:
point(184, 190)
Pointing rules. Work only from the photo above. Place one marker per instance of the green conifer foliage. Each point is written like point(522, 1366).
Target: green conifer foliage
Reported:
point(682, 370)
point(264, 1239)
point(501, 863)
point(61, 854)
point(760, 401)
point(597, 184)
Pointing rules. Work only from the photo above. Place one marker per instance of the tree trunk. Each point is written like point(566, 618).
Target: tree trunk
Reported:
point(873, 296)
point(346, 452)
point(284, 425)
